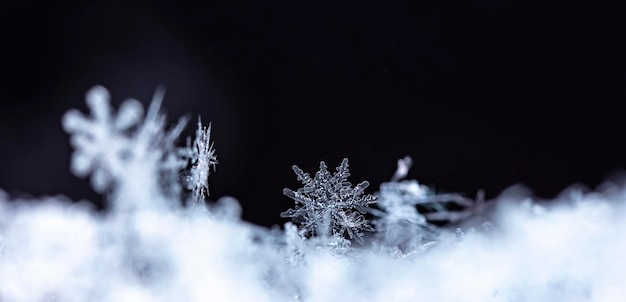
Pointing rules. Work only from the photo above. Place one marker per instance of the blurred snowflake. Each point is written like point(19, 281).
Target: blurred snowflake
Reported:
point(132, 156)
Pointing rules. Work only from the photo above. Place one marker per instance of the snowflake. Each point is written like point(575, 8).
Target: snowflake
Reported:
point(327, 206)
point(123, 151)
point(398, 221)
point(201, 157)
point(398, 198)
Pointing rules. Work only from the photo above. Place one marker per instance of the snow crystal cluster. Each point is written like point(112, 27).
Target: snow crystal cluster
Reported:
point(162, 239)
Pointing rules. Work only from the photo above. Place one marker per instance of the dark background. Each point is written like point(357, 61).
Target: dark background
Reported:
point(483, 94)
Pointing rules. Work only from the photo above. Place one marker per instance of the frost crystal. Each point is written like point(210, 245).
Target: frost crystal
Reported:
point(327, 206)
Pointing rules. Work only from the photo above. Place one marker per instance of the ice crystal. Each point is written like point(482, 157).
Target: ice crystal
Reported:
point(468, 207)
point(399, 200)
point(202, 158)
point(327, 206)
point(125, 153)
point(399, 223)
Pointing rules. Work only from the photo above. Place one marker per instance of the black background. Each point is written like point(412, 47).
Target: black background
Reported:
point(483, 94)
